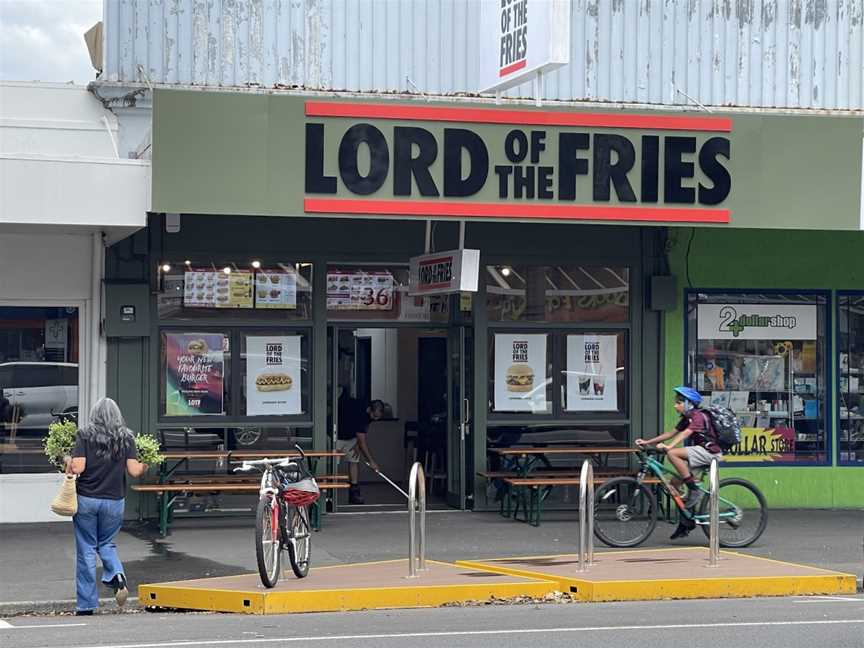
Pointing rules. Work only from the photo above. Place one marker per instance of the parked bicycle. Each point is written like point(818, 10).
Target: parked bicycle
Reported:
point(625, 508)
point(287, 491)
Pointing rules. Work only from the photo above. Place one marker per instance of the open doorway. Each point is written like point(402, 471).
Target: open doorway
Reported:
point(392, 382)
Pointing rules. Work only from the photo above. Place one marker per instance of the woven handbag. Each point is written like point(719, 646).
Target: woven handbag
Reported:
point(66, 501)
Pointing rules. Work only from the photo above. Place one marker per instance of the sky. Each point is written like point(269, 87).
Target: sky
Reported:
point(43, 40)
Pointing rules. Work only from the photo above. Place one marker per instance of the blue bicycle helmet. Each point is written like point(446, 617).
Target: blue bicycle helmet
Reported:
point(690, 394)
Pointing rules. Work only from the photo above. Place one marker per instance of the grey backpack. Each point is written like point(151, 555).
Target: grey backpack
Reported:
point(727, 429)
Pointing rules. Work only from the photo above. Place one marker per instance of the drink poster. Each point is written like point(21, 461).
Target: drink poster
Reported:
point(276, 289)
point(521, 373)
point(194, 373)
point(273, 375)
point(592, 384)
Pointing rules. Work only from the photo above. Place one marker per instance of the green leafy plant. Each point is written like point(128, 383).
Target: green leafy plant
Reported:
point(61, 440)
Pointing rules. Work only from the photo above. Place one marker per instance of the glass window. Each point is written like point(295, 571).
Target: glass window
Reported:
point(228, 290)
point(763, 356)
point(560, 293)
point(594, 372)
point(520, 376)
point(240, 438)
point(850, 344)
point(196, 373)
point(276, 377)
point(38, 381)
point(380, 293)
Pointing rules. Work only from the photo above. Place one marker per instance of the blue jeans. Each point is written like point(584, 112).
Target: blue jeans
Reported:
point(96, 525)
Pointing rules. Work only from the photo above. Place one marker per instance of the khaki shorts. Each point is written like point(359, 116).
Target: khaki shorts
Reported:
point(349, 447)
point(699, 457)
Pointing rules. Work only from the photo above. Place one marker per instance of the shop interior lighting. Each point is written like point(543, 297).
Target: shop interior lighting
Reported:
point(188, 262)
point(166, 267)
point(227, 270)
point(505, 271)
point(256, 264)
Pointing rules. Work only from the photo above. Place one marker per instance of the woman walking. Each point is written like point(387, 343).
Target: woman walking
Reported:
point(104, 452)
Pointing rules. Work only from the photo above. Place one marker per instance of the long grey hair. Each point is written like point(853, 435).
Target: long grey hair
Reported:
point(107, 430)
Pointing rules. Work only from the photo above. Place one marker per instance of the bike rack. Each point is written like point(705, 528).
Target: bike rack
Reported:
point(586, 516)
point(714, 515)
point(416, 545)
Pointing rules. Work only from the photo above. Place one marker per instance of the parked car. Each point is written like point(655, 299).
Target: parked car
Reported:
point(37, 392)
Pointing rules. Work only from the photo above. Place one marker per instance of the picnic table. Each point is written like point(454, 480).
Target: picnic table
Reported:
point(529, 477)
point(168, 491)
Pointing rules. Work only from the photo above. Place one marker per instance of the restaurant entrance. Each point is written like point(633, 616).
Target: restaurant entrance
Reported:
point(411, 385)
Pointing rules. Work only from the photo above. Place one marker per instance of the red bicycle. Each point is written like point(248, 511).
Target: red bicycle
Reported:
point(287, 491)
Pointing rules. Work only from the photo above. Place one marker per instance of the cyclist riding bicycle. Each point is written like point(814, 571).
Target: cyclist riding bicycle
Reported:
point(694, 425)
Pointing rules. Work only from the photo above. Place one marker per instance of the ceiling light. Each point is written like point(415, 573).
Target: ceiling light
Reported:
point(226, 270)
point(505, 271)
point(188, 262)
point(166, 267)
point(256, 264)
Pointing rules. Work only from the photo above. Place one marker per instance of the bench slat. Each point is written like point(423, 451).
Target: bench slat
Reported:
point(562, 481)
point(207, 488)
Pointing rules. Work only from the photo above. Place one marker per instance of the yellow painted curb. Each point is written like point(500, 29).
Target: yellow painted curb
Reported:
point(583, 588)
point(260, 601)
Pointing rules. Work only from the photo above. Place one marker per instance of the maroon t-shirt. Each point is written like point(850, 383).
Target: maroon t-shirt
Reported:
point(703, 432)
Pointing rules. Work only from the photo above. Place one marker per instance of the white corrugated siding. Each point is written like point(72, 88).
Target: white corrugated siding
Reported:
point(760, 53)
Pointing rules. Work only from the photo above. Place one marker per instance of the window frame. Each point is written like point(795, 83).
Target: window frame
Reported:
point(839, 430)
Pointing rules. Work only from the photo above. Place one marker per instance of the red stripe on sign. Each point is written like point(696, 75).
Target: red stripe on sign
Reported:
point(434, 261)
point(517, 117)
point(428, 208)
point(510, 69)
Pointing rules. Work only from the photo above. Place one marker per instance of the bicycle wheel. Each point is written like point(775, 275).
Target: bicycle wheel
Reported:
point(625, 512)
point(301, 548)
point(743, 513)
point(267, 540)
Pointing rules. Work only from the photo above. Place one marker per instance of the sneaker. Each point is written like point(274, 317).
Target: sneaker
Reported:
point(694, 496)
point(354, 496)
point(118, 584)
point(685, 526)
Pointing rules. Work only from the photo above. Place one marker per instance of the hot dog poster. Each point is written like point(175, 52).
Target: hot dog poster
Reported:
point(273, 375)
point(194, 372)
point(592, 384)
point(521, 376)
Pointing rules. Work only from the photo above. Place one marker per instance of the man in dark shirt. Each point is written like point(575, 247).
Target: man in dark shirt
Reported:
point(354, 419)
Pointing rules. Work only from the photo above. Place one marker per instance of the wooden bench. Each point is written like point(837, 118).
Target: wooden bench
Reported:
point(533, 502)
point(217, 484)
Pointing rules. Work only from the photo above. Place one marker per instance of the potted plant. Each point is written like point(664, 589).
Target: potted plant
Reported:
point(61, 440)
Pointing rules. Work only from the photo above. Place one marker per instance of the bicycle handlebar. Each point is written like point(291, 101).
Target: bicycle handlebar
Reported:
point(246, 466)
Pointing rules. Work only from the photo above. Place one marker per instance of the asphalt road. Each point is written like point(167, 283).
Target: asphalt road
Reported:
point(837, 622)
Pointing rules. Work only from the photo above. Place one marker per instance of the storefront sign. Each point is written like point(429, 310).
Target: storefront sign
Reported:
point(520, 372)
point(364, 291)
point(442, 273)
point(273, 375)
point(756, 322)
point(592, 384)
point(763, 445)
point(293, 155)
point(520, 38)
point(194, 370)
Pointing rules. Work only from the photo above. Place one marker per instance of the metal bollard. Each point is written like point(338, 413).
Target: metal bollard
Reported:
point(416, 551)
point(714, 515)
point(586, 516)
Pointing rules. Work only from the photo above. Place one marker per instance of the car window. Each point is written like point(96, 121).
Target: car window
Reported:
point(69, 376)
point(5, 377)
point(36, 375)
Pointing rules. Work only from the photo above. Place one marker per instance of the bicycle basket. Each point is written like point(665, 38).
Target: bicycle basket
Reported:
point(301, 493)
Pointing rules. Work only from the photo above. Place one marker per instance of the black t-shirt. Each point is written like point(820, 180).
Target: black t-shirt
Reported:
point(353, 418)
point(103, 477)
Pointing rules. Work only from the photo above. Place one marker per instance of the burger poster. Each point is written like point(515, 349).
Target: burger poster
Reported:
point(520, 373)
point(194, 371)
point(592, 384)
point(273, 375)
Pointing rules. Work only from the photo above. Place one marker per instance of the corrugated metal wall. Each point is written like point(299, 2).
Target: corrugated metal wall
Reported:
point(769, 53)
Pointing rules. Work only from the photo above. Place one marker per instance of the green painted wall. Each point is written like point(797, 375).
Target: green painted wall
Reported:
point(770, 260)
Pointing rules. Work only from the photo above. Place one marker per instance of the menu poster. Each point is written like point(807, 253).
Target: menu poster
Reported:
point(520, 373)
point(360, 291)
point(215, 289)
point(194, 371)
point(273, 375)
point(276, 289)
point(592, 384)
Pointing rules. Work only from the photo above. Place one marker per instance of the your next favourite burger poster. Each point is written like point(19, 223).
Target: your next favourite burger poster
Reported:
point(520, 373)
point(273, 375)
point(194, 371)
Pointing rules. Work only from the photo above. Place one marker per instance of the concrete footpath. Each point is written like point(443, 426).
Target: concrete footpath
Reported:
point(37, 560)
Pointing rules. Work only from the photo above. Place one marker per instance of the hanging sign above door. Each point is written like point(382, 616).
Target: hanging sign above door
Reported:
point(442, 273)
